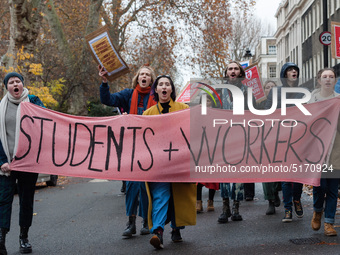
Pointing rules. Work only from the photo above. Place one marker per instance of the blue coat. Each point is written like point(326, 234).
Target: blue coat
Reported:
point(121, 99)
point(34, 100)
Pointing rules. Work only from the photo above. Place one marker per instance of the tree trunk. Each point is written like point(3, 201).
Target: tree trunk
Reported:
point(75, 94)
point(24, 30)
point(9, 59)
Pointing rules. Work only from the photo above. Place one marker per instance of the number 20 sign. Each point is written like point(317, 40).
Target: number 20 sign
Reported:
point(325, 38)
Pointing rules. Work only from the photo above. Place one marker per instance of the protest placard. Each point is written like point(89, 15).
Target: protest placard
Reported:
point(105, 53)
point(335, 39)
point(253, 80)
point(184, 95)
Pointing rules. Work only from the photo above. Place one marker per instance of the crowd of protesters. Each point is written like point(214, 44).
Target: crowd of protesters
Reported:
point(159, 203)
point(162, 195)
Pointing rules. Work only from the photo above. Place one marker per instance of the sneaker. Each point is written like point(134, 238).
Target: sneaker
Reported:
point(176, 236)
point(298, 208)
point(288, 216)
point(157, 240)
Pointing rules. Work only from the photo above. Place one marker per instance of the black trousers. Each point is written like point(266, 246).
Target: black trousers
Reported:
point(26, 189)
point(249, 190)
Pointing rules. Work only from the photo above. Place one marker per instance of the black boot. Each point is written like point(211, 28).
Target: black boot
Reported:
point(277, 200)
point(25, 246)
point(123, 188)
point(176, 236)
point(130, 227)
point(226, 212)
point(145, 229)
point(235, 215)
point(271, 208)
point(3, 232)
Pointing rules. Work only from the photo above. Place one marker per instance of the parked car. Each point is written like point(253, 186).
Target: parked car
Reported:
point(51, 180)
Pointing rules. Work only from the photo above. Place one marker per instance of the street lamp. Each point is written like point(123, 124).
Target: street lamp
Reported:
point(248, 54)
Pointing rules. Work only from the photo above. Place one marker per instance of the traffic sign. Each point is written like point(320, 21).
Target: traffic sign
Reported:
point(325, 38)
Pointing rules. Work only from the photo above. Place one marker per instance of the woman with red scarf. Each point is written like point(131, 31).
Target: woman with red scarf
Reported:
point(132, 101)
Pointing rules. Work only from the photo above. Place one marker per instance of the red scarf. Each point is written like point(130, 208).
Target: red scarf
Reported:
point(134, 99)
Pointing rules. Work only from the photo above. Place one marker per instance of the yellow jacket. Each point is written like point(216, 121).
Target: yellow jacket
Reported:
point(184, 194)
point(157, 109)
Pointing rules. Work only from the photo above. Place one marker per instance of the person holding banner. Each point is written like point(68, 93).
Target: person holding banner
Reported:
point(289, 76)
point(270, 189)
point(234, 74)
point(175, 202)
point(267, 86)
point(16, 93)
point(211, 186)
point(327, 192)
point(132, 101)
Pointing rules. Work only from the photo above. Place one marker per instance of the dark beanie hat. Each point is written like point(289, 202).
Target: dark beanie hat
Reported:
point(13, 74)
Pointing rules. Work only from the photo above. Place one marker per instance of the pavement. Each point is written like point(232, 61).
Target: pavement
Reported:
point(84, 216)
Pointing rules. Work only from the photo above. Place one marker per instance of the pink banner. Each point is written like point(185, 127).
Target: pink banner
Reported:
point(182, 146)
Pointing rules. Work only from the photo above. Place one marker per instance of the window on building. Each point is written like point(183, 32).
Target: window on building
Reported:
point(314, 19)
point(304, 28)
point(272, 71)
point(317, 15)
point(314, 66)
point(321, 12)
point(287, 44)
point(310, 24)
point(307, 26)
point(333, 62)
point(272, 49)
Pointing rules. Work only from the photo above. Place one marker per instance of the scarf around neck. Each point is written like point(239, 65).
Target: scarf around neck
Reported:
point(134, 99)
point(3, 108)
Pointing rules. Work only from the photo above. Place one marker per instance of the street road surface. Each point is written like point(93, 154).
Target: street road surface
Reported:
point(84, 216)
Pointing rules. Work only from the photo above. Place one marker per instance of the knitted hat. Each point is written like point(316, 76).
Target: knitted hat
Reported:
point(13, 74)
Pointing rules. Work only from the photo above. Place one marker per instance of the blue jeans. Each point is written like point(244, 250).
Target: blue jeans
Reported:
point(136, 195)
point(235, 192)
point(291, 191)
point(328, 187)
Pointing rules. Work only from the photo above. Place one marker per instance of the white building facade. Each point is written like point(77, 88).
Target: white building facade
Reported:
point(265, 56)
point(299, 25)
